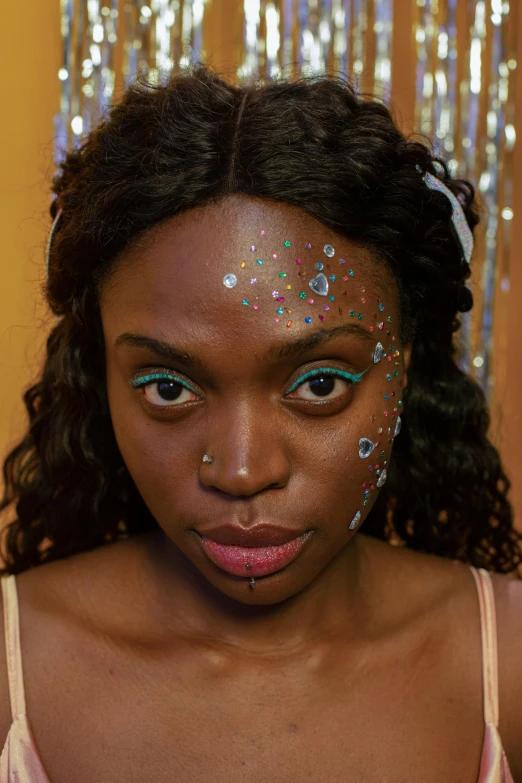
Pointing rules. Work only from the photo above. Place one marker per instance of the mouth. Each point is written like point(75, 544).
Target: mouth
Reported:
point(253, 561)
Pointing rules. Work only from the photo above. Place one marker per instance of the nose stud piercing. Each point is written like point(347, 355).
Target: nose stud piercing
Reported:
point(208, 459)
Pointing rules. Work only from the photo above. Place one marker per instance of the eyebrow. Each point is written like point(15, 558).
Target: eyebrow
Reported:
point(290, 349)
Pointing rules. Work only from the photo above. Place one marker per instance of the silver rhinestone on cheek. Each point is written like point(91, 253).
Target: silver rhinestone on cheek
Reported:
point(379, 353)
point(365, 448)
point(397, 426)
point(329, 251)
point(382, 478)
point(355, 520)
point(230, 280)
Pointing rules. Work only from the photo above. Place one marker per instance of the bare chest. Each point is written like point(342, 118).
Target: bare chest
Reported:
point(397, 723)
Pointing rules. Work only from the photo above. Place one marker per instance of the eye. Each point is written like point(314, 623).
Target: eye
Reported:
point(324, 383)
point(162, 389)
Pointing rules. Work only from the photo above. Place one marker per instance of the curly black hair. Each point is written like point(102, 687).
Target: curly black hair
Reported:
point(313, 142)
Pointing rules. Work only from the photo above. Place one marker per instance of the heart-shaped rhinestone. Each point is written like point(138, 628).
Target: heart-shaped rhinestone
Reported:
point(319, 284)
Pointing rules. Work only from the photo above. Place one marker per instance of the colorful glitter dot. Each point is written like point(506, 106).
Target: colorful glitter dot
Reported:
point(383, 453)
point(345, 278)
point(245, 302)
point(279, 311)
point(288, 323)
point(360, 316)
point(381, 325)
point(363, 300)
point(351, 273)
point(399, 404)
point(282, 274)
point(242, 264)
point(389, 319)
point(326, 307)
point(333, 278)
point(277, 320)
point(308, 246)
point(352, 313)
point(288, 287)
point(259, 261)
point(371, 328)
point(308, 320)
point(302, 295)
point(389, 377)
point(298, 261)
point(255, 306)
point(310, 301)
point(342, 261)
point(319, 266)
point(381, 307)
point(253, 248)
point(287, 243)
point(262, 233)
point(386, 396)
point(275, 294)
point(280, 299)
point(253, 280)
point(321, 317)
point(331, 298)
point(395, 373)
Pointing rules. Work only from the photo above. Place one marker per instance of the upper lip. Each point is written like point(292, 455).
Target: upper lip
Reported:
point(260, 536)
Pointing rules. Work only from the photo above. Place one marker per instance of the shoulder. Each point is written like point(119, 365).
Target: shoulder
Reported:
point(508, 610)
point(5, 704)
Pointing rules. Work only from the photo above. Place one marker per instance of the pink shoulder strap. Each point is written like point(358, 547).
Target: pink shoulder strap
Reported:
point(488, 626)
point(12, 645)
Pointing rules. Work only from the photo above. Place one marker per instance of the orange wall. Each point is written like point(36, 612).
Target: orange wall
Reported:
point(30, 49)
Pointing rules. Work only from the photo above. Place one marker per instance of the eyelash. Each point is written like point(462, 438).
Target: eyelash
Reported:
point(141, 381)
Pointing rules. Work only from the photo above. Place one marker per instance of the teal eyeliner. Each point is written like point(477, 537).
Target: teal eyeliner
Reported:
point(330, 371)
point(136, 383)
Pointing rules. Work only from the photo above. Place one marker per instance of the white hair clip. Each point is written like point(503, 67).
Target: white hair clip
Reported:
point(464, 233)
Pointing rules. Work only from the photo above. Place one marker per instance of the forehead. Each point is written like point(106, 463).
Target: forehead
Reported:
point(175, 274)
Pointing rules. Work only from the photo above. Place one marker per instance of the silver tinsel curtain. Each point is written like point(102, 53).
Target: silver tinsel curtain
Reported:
point(462, 64)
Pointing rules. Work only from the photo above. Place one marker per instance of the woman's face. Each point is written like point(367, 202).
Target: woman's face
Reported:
point(222, 340)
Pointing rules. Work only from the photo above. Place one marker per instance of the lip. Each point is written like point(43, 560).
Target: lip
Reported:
point(252, 561)
point(260, 536)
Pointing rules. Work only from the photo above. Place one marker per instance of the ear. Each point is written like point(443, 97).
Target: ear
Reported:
point(406, 353)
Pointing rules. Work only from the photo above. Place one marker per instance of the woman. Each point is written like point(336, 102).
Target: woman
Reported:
point(256, 490)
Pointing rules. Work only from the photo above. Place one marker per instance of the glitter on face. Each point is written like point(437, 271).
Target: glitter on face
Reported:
point(253, 248)
point(282, 274)
point(308, 320)
point(255, 306)
point(310, 301)
point(245, 302)
point(329, 251)
point(308, 246)
point(298, 261)
point(381, 307)
point(277, 320)
point(365, 447)
point(398, 425)
point(259, 261)
point(342, 261)
point(321, 317)
point(355, 520)
point(242, 264)
point(253, 280)
point(287, 243)
point(333, 278)
point(262, 233)
point(279, 311)
point(379, 353)
point(230, 281)
point(288, 323)
point(302, 295)
point(382, 478)
point(275, 294)
point(351, 273)
point(319, 266)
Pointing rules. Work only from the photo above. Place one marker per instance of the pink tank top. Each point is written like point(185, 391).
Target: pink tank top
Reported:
point(20, 762)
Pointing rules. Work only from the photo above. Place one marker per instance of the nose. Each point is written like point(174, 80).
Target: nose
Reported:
point(248, 454)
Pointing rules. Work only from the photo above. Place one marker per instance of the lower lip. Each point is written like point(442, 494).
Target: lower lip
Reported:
point(262, 560)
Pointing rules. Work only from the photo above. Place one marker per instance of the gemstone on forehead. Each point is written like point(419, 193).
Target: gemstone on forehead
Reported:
point(329, 251)
point(365, 447)
point(230, 280)
point(319, 284)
